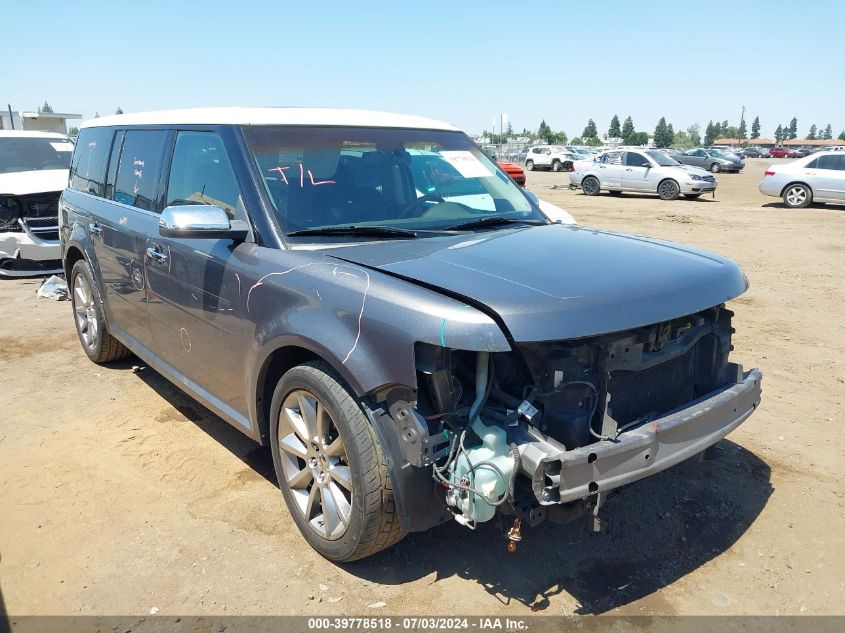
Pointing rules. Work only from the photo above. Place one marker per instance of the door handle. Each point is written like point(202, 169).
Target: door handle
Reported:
point(156, 254)
point(95, 230)
point(628, 169)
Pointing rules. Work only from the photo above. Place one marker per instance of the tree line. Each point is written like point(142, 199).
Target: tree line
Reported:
point(665, 135)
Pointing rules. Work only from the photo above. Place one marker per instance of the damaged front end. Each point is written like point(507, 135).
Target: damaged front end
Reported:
point(29, 234)
point(538, 431)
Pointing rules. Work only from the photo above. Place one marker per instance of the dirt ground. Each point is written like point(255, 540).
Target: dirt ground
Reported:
point(118, 494)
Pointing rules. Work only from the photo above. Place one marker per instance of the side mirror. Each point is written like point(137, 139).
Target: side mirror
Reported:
point(200, 221)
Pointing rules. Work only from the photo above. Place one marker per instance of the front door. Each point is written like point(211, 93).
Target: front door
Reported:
point(829, 178)
point(638, 173)
point(194, 287)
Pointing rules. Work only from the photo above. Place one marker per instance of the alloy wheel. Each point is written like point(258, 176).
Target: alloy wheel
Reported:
point(315, 464)
point(796, 196)
point(85, 312)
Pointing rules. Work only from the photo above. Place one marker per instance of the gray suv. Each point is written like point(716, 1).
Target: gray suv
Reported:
point(372, 298)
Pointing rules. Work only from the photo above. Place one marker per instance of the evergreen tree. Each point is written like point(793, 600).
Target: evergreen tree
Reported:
point(742, 132)
point(717, 132)
point(590, 131)
point(119, 110)
point(670, 134)
point(709, 133)
point(694, 134)
point(614, 131)
point(46, 108)
point(627, 130)
point(841, 136)
point(661, 133)
point(544, 132)
point(813, 131)
point(755, 127)
point(828, 132)
point(779, 134)
point(793, 128)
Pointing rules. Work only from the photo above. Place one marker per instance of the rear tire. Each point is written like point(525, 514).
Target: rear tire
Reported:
point(797, 196)
point(98, 344)
point(330, 466)
point(668, 190)
point(529, 165)
point(590, 186)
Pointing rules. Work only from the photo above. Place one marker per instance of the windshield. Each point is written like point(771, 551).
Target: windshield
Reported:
point(22, 153)
point(664, 160)
point(418, 180)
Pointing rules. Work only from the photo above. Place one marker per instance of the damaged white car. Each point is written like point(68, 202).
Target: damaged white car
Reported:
point(33, 173)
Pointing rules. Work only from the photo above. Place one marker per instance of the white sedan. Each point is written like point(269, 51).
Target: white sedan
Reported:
point(819, 177)
point(645, 171)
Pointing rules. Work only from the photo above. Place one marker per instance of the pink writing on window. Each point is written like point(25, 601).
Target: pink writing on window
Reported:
point(315, 183)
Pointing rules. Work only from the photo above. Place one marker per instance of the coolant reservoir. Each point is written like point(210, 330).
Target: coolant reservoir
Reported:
point(494, 449)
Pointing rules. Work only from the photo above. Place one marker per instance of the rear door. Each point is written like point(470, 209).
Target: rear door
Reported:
point(610, 170)
point(194, 286)
point(637, 173)
point(120, 225)
point(829, 179)
point(696, 157)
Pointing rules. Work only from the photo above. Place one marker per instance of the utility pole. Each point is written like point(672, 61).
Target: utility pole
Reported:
point(741, 120)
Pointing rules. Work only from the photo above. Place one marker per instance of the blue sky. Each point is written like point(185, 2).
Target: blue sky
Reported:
point(461, 62)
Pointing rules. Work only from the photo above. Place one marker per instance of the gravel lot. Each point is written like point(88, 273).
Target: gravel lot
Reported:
point(118, 494)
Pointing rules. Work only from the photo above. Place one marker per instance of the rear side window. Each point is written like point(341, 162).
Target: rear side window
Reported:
point(139, 167)
point(88, 169)
point(201, 173)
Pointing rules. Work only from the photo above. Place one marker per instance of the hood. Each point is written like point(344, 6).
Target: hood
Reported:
point(21, 183)
point(559, 282)
point(692, 169)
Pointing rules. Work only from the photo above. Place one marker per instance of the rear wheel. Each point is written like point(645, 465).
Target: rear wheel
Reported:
point(668, 190)
point(330, 466)
point(529, 165)
point(99, 345)
point(590, 186)
point(797, 196)
point(715, 168)
point(556, 166)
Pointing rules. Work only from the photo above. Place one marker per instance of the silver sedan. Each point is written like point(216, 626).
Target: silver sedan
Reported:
point(819, 177)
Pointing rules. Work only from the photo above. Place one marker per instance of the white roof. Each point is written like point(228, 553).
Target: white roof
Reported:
point(270, 116)
point(33, 134)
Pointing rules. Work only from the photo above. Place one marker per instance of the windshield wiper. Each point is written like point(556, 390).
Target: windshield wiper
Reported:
point(490, 220)
point(374, 231)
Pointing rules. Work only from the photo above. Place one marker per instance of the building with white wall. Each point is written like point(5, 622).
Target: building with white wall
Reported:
point(40, 121)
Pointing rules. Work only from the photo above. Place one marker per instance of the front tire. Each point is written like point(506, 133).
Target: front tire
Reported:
point(797, 196)
point(590, 186)
point(330, 466)
point(668, 190)
point(529, 165)
point(98, 344)
point(715, 168)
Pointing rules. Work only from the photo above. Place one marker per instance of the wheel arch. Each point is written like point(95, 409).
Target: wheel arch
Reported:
point(797, 182)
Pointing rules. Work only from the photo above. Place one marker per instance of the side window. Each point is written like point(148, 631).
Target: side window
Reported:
point(139, 167)
point(116, 146)
point(813, 164)
point(632, 159)
point(88, 167)
point(831, 162)
point(201, 173)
